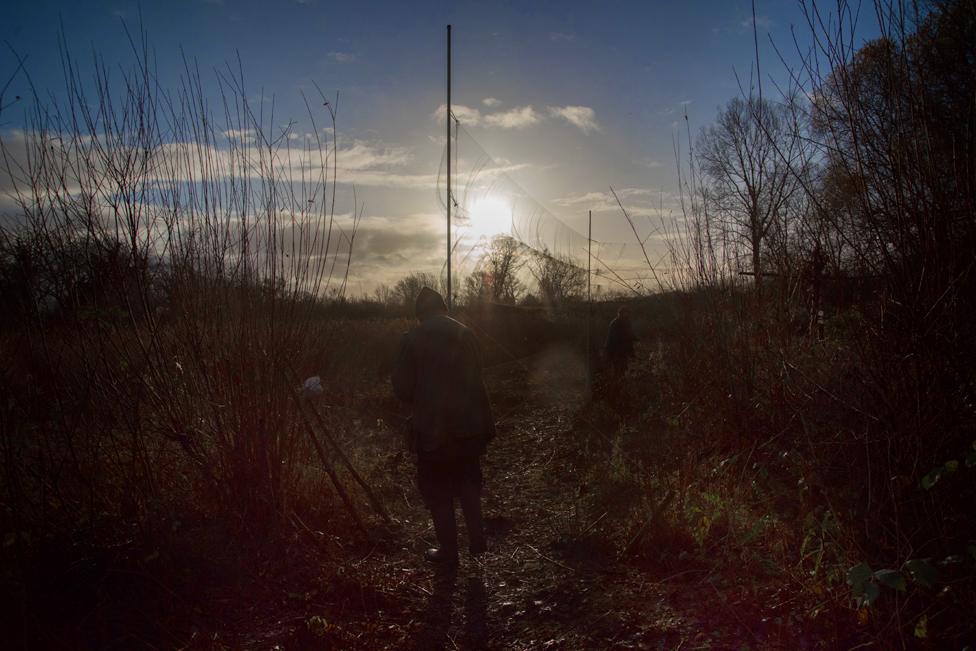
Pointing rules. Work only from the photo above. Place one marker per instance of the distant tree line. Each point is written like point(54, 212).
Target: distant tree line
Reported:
point(502, 274)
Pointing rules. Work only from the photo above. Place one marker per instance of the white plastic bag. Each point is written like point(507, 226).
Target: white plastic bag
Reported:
point(312, 387)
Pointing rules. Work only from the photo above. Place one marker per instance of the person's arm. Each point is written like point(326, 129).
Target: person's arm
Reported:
point(404, 375)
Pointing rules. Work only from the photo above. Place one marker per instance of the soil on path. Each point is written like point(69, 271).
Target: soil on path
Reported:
point(549, 580)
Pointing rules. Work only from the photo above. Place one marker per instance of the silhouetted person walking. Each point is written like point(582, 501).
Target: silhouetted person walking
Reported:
point(619, 347)
point(438, 372)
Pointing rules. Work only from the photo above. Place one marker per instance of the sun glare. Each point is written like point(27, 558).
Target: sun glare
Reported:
point(490, 216)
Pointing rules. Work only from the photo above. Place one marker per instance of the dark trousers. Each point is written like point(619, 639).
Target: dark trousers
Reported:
point(618, 364)
point(441, 479)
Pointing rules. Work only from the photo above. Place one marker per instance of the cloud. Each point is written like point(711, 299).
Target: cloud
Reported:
point(384, 246)
point(486, 174)
point(579, 116)
point(519, 117)
point(465, 114)
point(375, 164)
point(491, 101)
point(360, 162)
point(387, 179)
point(241, 135)
point(637, 201)
point(582, 199)
point(15, 144)
point(762, 22)
point(388, 247)
point(561, 36)
point(404, 234)
point(362, 155)
point(649, 162)
point(342, 57)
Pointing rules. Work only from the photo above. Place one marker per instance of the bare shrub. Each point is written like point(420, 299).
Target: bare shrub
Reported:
point(406, 289)
point(166, 267)
point(869, 415)
point(496, 277)
point(558, 278)
point(747, 156)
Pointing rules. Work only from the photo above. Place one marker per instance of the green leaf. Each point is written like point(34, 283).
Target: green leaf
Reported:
point(863, 588)
point(931, 479)
point(972, 551)
point(858, 575)
point(871, 593)
point(922, 627)
point(892, 579)
point(971, 459)
point(952, 465)
point(923, 572)
point(955, 559)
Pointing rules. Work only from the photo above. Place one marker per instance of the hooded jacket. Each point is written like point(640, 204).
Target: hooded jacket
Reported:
point(438, 372)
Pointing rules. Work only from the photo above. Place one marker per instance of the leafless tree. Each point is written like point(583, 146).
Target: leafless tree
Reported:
point(406, 289)
point(747, 158)
point(496, 277)
point(385, 295)
point(181, 252)
point(559, 279)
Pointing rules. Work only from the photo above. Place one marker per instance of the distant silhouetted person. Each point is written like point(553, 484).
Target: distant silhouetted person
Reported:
point(619, 347)
point(438, 372)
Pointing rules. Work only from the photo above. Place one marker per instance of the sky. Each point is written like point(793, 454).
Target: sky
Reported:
point(570, 97)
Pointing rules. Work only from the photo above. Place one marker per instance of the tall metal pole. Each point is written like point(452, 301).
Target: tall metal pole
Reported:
point(589, 307)
point(450, 198)
point(589, 255)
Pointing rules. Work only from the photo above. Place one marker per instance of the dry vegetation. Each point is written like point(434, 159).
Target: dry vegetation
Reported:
point(171, 284)
point(833, 453)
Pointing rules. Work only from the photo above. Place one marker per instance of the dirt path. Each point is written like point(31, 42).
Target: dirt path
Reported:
point(544, 584)
point(539, 586)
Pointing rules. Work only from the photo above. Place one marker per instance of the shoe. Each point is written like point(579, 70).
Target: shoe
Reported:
point(440, 557)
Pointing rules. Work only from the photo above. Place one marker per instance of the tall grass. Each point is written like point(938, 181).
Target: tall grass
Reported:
point(837, 432)
point(168, 253)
